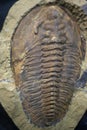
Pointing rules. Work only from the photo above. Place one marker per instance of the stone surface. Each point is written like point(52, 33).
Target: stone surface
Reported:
point(77, 2)
point(9, 97)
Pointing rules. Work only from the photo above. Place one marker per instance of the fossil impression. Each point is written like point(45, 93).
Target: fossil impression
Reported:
point(47, 52)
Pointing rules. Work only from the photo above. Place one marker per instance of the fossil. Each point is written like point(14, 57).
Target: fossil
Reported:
point(47, 52)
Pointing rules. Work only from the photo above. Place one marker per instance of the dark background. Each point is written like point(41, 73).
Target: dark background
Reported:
point(6, 122)
point(5, 5)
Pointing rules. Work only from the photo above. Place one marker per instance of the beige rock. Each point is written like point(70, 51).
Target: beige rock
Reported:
point(77, 2)
point(9, 97)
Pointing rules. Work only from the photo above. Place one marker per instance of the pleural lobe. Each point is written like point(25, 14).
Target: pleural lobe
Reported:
point(46, 60)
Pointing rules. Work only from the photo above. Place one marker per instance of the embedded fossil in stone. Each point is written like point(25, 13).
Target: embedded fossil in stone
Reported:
point(47, 52)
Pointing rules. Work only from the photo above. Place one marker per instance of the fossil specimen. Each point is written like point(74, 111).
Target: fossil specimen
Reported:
point(47, 52)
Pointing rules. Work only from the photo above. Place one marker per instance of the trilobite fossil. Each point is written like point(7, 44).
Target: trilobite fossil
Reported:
point(47, 52)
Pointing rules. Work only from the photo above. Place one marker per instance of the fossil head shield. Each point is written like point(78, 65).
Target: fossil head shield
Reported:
point(47, 52)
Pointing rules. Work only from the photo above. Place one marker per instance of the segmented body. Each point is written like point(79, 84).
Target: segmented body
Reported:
point(46, 58)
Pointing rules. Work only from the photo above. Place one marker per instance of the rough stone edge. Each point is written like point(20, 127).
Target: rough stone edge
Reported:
point(70, 121)
point(77, 2)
